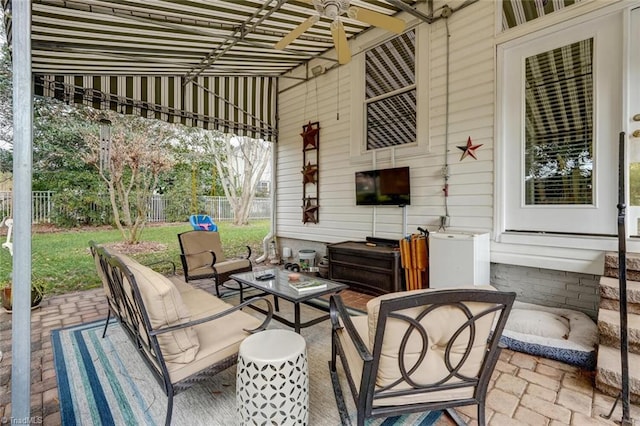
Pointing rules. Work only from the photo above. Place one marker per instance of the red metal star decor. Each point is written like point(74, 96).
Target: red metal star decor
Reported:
point(309, 173)
point(309, 135)
point(469, 149)
point(310, 211)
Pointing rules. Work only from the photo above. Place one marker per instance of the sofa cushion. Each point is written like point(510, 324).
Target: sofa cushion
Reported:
point(201, 303)
point(218, 339)
point(165, 307)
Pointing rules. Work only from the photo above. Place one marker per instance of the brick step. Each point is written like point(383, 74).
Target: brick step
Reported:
point(609, 329)
point(609, 376)
point(610, 295)
point(611, 265)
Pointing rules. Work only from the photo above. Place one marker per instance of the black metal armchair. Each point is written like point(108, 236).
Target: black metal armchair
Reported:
point(202, 257)
point(418, 351)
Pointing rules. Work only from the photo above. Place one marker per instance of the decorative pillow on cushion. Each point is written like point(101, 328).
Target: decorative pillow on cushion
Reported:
point(539, 323)
point(165, 307)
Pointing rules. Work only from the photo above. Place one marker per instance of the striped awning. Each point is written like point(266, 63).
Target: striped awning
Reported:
point(181, 60)
point(244, 106)
point(176, 54)
point(517, 12)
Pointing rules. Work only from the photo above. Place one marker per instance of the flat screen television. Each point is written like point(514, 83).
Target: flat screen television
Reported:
point(386, 187)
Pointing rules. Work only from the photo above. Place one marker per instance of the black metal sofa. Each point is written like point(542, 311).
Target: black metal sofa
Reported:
point(182, 333)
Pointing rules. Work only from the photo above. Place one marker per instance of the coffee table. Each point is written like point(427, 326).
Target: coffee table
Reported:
point(279, 287)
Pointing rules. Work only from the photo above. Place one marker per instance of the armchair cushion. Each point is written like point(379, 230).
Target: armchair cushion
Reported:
point(351, 353)
point(227, 266)
point(440, 324)
point(165, 308)
point(198, 252)
point(419, 350)
point(200, 260)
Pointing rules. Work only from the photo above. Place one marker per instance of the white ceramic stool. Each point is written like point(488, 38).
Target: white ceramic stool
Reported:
point(272, 386)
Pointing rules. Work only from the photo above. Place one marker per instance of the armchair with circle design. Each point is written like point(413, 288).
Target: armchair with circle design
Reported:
point(418, 351)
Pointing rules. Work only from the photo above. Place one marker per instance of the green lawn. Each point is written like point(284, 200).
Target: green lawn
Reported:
point(62, 262)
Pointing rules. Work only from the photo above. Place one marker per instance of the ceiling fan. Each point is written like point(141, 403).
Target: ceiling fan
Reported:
point(334, 9)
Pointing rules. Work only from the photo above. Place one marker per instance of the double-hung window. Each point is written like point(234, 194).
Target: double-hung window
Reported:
point(390, 93)
point(389, 115)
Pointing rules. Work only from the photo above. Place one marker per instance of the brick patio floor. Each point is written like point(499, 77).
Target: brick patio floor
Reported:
point(525, 390)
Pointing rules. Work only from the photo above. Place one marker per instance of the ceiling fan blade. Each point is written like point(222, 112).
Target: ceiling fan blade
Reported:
point(296, 32)
point(381, 20)
point(340, 41)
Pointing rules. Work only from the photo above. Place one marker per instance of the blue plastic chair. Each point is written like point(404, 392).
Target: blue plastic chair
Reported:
point(202, 222)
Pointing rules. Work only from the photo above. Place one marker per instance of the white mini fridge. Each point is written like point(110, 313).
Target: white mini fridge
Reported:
point(458, 259)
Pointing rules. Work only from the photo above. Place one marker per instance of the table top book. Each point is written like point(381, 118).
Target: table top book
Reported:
point(307, 285)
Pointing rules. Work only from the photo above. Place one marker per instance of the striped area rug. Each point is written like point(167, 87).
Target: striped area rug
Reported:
point(105, 382)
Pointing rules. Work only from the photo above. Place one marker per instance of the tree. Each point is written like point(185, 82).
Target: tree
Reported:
point(6, 113)
point(58, 145)
point(240, 163)
point(140, 151)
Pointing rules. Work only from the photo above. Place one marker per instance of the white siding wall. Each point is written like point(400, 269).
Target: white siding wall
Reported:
point(471, 98)
point(470, 114)
point(472, 200)
point(335, 178)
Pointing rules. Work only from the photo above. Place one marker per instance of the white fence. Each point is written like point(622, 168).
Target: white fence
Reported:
point(218, 208)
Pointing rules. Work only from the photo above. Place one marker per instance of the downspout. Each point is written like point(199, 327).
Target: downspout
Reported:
point(272, 233)
point(274, 163)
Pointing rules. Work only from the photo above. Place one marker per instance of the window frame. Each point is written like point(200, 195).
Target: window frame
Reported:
point(506, 162)
point(358, 151)
point(390, 94)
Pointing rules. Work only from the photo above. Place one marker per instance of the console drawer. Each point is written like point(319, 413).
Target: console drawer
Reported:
point(374, 270)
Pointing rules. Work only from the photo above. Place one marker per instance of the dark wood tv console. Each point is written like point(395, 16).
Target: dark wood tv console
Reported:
point(371, 269)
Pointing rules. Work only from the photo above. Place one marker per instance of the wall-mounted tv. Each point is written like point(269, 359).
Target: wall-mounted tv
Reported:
point(388, 187)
